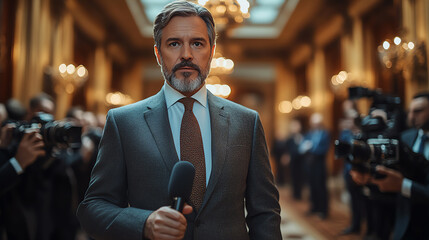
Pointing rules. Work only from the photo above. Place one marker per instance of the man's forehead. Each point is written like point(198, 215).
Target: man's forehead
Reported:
point(180, 27)
point(419, 103)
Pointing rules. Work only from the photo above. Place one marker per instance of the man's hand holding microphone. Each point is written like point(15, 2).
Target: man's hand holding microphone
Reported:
point(169, 222)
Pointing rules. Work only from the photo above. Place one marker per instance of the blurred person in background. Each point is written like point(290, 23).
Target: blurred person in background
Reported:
point(348, 130)
point(294, 158)
point(315, 146)
point(84, 159)
point(409, 181)
point(41, 103)
point(282, 168)
point(12, 166)
point(40, 205)
point(412, 205)
point(15, 110)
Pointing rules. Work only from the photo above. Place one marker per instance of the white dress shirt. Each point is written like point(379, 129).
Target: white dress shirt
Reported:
point(201, 112)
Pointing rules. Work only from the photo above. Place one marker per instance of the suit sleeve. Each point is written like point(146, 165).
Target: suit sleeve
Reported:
point(415, 167)
point(8, 177)
point(262, 197)
point(420, 192)
point(105, 213)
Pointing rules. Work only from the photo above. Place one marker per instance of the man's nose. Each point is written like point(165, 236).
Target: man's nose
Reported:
point(186, 53)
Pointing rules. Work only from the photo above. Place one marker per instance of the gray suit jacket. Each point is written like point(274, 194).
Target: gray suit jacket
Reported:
point(130, 178)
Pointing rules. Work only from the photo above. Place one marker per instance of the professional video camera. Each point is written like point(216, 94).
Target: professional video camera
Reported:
point(55, 134)
point(378, 143)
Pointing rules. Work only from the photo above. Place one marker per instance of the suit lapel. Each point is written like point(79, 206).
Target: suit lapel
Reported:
point(219, 121)
point(159, 125)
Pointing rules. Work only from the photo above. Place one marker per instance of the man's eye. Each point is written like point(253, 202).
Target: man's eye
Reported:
point(198, 44)
point(174, 44)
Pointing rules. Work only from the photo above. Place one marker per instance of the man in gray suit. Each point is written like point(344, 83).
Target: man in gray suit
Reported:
point(127, 197)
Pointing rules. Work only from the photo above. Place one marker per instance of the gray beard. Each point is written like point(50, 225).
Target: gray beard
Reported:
point(187, 85)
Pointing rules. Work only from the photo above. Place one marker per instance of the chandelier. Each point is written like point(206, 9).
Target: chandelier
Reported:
point(394, 53)
point(404, 57)
point(227, 12)
point(70, 77)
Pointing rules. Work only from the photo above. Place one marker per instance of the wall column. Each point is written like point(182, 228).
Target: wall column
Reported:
point(99, 87)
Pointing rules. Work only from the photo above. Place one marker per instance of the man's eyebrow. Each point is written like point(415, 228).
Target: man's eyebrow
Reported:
point(193, 39)
point(199, 39)
point(172, 39)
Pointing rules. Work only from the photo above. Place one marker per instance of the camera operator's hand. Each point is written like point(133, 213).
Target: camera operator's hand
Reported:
point(360, 178)
point(30, 148)
point(166, 223)
point(6, 135)
point(391, 183)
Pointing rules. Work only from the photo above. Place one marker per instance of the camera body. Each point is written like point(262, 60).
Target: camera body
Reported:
point(55, 134)
point(378, 141)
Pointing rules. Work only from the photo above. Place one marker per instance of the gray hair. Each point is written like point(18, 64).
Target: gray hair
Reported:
point(183, 9)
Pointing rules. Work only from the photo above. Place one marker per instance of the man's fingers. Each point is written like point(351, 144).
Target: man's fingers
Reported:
point(167, 223)
point(175, 217)
point(382, 169)
point(387, 171)
point(187, 209)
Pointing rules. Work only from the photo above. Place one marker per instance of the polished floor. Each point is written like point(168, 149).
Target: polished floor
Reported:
point(296, 224)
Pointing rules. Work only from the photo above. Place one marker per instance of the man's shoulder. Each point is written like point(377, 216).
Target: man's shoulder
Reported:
point(412, 132)
point(232, 107)
point(140, 106)
point(409, 135)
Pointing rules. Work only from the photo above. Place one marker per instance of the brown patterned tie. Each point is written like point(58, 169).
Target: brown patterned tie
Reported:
point(191, 150)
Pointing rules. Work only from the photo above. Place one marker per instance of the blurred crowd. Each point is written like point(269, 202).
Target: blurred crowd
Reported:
point(45, 166)
point(384, 154)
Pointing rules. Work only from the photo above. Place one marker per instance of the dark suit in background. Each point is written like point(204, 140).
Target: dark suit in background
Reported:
point(297, 163)
point(316, 158)
point(412, 221)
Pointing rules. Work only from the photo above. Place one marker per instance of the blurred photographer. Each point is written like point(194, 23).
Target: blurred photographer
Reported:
point(409, 177)
point(377, 143)
point(412, 208)
point(11, 167)
point(40, 205)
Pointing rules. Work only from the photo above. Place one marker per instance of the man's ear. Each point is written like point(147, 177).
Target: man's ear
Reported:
point(157, 55)
point(213, 50)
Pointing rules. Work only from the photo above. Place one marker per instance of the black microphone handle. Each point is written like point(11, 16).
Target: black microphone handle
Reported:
point(178, 204)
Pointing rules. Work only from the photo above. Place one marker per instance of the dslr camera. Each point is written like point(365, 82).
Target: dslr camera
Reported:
point(378, 141)
point(55, 134)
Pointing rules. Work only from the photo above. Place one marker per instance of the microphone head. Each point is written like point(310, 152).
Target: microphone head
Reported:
point(181, 180)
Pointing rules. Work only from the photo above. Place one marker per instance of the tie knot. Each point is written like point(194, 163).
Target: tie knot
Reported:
point(188, 103)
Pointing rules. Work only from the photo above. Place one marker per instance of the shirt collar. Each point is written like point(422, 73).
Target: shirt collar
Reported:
point(172, 95)
point(421, 133)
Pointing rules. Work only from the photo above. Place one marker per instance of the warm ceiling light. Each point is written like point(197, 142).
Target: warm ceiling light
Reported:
point(386, 45)
point(285, 107)
point(397, 40)
point(62, 68)
point(71, 68)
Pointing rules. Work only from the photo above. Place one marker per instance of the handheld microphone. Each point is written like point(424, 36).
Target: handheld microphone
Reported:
point(180, 185)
